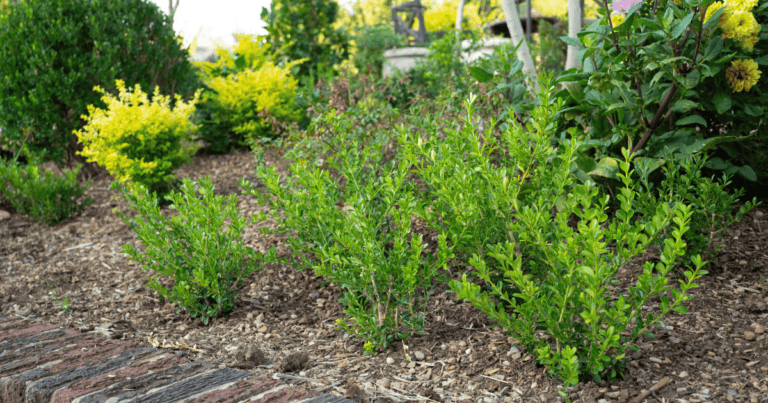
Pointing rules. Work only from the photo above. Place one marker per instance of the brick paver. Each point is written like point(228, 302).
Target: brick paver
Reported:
point(41, 363)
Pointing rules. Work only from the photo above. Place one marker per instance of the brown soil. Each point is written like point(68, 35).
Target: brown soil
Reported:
point(286, 319)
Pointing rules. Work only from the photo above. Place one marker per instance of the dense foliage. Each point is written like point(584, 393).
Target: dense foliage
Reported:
point(207, 264)
point(53, 52)
point(49, 198)
point(303, 29)
point(138, 140)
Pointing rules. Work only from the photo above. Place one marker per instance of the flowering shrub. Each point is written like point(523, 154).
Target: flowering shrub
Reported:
point(696, 60)
point(137, 140)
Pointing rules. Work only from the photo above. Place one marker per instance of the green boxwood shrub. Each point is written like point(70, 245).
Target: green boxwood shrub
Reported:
point(48, 198)
point(53, 53)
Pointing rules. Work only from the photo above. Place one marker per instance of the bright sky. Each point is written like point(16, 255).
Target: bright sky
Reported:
point(215, 22)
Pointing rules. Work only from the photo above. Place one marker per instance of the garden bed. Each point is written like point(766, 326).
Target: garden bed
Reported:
point(716, 352)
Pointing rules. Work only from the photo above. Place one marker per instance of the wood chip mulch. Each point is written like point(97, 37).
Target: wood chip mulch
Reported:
point(285, 323)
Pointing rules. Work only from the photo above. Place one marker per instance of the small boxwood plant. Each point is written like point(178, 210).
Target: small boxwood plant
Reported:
point(207, 264)
point(550, 285)
point(49, 199)
point(359, 237)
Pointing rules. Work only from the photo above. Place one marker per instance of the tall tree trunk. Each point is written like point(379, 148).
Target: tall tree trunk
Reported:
point(459, 20)
point(574, 26)
point(172, 8)
point(460, 15)
point(512, 16)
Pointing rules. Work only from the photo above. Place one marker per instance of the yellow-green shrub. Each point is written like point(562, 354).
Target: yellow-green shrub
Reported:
point(240, 98)
point(253, 53)
point(137, 140)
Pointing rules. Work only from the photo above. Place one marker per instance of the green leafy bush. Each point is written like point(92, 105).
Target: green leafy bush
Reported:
point(648, 79)
point(360, 237)
point(370, 43)
point(206, 263)
point(546, 278)
point(53, 52)
point(711, 204)
point(303, 30)
point(48, 200)
point(137, 140)
point(547, 49)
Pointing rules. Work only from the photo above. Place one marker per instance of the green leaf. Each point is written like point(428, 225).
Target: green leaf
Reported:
point(653, 25)
point(722, 102)
point(678, 30)
point(692, 79)
point(684, 106)
point(717, 163)
point(570, 41)
point(607, 168)
point(646, 165)
point(714, 47)
point(480, 74)
point(748, 173)
point(753, 110)
point(572, 77)
point(691, 120)
point(763, 61)
point(657, 77)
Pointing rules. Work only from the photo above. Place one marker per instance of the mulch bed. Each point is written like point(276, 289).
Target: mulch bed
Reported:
point(285, 323)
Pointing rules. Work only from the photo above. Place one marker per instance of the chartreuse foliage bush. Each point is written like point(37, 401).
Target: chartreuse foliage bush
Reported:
point(248, 53)
point(542, 277)
point(245, 90)
point(138, 140)
point(695, 85)
point(53, 52)
point(361, 238)
point(206, 263)
point(48, 199)
point(240, 97)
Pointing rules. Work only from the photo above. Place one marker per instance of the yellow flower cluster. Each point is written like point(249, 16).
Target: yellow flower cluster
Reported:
point(737, 21)
point(742, 74)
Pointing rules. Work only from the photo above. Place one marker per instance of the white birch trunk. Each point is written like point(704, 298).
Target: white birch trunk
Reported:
point(460, 15)
point(172, 8)
point(459, 19)
point(523, 52)
point(574, 26)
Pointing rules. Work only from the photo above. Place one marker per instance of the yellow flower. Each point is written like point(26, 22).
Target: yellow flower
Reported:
point(741, 5)
point(713, 8)
point(742, 74)
point(617, 19)
point(740, 24)
point(748, 43)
